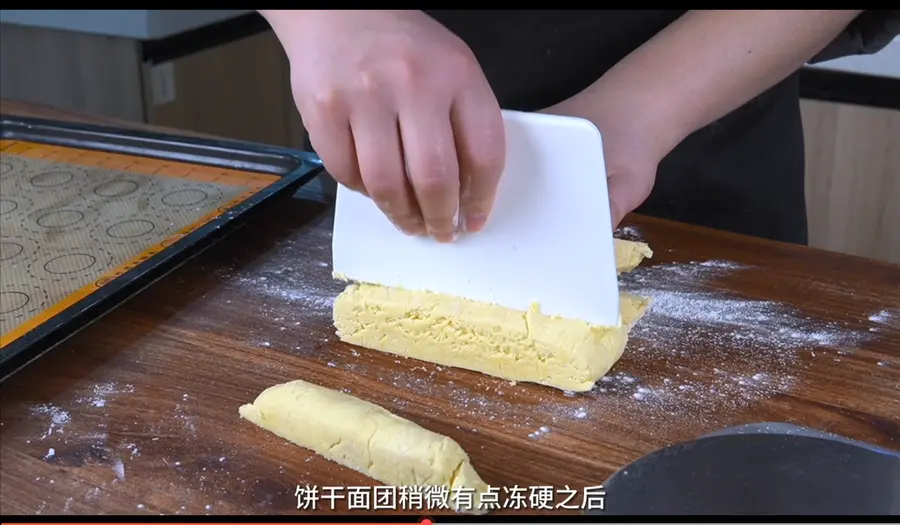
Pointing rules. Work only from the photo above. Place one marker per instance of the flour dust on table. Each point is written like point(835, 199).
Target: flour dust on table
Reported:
point(77, 432)
point(58, 417)
point(758, 349)
point(884, 318)
point(754, 346)
point(290, 297)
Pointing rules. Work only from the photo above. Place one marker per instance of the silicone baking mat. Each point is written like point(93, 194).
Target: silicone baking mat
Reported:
point(75, 220)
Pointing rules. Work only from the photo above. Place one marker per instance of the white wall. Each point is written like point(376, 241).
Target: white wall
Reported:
point(885, 63)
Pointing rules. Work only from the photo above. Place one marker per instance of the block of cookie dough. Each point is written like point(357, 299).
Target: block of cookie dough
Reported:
point(629, 254)
point(369, 439)
point(568, 354)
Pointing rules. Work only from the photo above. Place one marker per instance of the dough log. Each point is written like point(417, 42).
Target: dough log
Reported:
point(521, 346)
point(369, 439)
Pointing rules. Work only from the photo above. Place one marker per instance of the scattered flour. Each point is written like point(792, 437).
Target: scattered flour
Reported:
point(881, 317)
point(189, 422)
point(755, 345)
point(687, 312)
point(699, 355)
point(135, 451)
point(59, 418)
point(68, 430)
point(537, 434)
point(119, 469)
point(102, 391)
point(290, 286)
point(630, 233)
point(296, 300)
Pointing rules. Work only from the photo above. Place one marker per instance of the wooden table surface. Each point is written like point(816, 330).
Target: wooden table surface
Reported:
point(138, 413)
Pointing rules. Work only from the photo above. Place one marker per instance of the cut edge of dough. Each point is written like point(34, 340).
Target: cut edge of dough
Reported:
point(561, 353)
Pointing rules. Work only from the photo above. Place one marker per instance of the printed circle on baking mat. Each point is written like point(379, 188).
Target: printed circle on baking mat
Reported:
point(10, 164)
point(21, 300)
point(130, 229)
point(8, 205)
point(58, 178)
point(52, 178)
point(15, 167)
point(122, 185)
point(12, 205)
point(82, 263)
point(15, 248)
point(60, 219)
point(186, 196)
point(143, 228)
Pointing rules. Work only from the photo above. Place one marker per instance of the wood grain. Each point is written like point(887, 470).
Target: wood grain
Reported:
point(853, 178)
point(138, 412)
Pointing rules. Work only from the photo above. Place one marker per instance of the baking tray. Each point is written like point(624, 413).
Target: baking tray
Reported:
point(285, 170)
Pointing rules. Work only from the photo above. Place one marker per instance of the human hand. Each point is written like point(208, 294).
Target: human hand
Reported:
point(398, 108)
point(634, 143)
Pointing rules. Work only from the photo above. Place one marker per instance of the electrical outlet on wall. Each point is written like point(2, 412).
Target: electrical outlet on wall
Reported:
point(162, 83)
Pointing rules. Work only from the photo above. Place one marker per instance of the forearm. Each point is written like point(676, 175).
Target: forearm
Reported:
point(709, 63)
point(288, 22)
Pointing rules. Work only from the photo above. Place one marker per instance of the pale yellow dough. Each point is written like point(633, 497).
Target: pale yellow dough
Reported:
point(568, 354)
point(629, 254)
point(369, 439)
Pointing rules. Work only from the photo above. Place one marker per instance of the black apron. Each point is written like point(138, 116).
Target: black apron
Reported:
point(743, 173)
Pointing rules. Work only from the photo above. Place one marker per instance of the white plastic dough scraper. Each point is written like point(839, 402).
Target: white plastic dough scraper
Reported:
point(548, 239)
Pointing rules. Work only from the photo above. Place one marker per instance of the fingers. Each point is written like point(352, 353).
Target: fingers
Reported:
point(381, 166)
point(331, 137)
point(432, 168)
point(481, 148)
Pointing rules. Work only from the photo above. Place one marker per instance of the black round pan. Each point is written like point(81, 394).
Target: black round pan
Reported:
point(760, 469)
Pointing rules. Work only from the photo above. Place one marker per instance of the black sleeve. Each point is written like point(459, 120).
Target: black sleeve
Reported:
point(868, 33)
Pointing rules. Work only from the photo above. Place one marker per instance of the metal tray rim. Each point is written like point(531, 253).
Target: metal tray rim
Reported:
point(296, 168)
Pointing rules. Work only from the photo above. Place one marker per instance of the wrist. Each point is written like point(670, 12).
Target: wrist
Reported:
point(643, 114)
point(286, 23)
